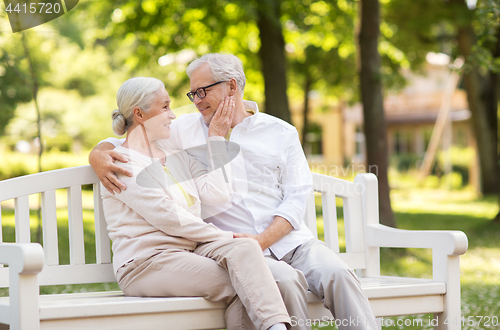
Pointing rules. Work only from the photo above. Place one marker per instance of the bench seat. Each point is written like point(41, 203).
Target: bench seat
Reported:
point(388, 297)
point(393, 296)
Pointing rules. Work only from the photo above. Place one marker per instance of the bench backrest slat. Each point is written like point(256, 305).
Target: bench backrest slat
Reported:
point(353, 229)
point(22, 210)
point(75, 226)
point(102, 241)
point(49, 223)
point(330, 188)
point(76, 274)
point(310, 215)
point(330, 221)
point(1, 227)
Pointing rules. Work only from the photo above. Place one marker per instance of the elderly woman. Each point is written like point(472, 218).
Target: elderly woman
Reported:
point(161, 245)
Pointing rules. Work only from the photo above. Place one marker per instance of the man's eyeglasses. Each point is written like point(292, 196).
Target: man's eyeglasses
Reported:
point(201, 92)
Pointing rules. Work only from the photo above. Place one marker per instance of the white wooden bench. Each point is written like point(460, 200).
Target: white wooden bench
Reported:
point(30, 265)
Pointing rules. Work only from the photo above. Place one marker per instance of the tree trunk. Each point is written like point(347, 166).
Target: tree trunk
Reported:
point(494, 78)
point(492, 106)
point(482, 99)
point(272, 56)
point(35, 87)
point(307, 89)
point(373, 106)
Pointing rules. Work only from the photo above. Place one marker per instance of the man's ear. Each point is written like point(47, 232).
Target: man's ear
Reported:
point(138, 115)
point(233, 87)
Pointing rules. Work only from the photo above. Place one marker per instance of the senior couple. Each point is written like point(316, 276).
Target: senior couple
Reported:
point(212, 205)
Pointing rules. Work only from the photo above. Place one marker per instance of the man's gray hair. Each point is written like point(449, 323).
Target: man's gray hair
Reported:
point(223, 68)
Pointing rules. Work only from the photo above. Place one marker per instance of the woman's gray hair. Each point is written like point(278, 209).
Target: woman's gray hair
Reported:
point(223, 68)
point(135, 92)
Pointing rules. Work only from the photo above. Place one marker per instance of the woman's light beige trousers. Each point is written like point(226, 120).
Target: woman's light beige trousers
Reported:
point(232, 271)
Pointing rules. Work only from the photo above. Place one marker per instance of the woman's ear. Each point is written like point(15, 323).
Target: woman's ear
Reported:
point(138, 115)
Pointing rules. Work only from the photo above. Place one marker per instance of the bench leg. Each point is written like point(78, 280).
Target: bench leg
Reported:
point(450, 319)
point(24, 302)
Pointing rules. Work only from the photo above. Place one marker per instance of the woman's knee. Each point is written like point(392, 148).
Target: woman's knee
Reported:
point(250, 243)
point(247, 247)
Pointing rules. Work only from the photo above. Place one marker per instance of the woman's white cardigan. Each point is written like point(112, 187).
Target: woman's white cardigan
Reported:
point(151, 215)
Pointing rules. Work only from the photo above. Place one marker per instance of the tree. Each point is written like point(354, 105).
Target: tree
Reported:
point(321, 52)
point(31, 80)
point(487, 54)
point(35, 84)
point(482, 98)
point(147, 30)
point(13, 89)
point(454, 28)
point(373, 108)
point(272, 57)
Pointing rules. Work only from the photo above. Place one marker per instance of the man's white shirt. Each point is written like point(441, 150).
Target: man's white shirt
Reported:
point(270, 175)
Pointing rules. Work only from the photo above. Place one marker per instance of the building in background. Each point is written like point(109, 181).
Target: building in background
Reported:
point(336, 136)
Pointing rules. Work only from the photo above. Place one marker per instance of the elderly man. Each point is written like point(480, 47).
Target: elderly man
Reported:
point(272, 186)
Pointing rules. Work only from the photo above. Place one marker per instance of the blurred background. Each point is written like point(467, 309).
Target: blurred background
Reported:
point(405, 89)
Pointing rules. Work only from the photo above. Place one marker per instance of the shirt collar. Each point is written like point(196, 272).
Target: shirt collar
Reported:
point(253, 119)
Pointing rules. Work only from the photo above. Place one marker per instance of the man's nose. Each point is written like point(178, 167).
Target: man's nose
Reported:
point(196, 99)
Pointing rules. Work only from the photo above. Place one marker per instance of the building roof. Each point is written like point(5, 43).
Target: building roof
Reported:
point(424, 117)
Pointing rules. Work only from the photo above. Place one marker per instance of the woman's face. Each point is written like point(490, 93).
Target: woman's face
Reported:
point(159, 117)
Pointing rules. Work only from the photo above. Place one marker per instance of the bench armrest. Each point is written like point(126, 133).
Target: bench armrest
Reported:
point(448, 242)
point(25, 261)
point(23, 258)
point(447, 246)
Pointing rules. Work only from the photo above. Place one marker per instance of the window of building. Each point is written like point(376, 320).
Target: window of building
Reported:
point(427, 137)
point(359, 140)
point(460, 137)
point(313, 145)
point(403, 142)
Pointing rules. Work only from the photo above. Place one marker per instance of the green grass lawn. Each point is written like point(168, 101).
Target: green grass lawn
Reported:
point(415, 208)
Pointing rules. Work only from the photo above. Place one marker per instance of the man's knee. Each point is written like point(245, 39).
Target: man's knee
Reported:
point(339, 273)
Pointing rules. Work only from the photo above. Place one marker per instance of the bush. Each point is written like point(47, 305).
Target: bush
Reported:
point(405, 162)
point(461, 159)
point(431, 181)
point(452, 180)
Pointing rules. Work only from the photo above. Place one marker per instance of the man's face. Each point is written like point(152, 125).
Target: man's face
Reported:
point(208, 105)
